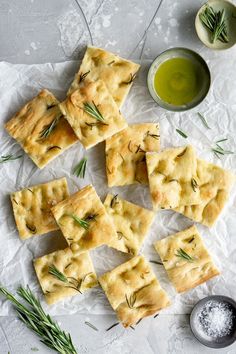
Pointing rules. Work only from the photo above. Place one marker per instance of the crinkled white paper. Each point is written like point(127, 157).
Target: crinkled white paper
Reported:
point(19, 83)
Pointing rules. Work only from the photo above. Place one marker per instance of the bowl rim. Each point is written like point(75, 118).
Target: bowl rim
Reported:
point(198, 305)
point(162, 103)
point(207, 44)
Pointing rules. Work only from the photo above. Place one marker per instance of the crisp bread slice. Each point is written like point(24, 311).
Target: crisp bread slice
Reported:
point(125, 154)
point(117, 73)
point(98, 227)
point(186, 259)
point(30, 124)
point(78, 272)
point(214, 184)
point(131, 221)
point(173, 178)
point(89, 129)
point(32, 207)
point(133, 291)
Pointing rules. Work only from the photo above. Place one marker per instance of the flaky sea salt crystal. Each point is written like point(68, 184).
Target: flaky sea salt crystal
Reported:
point(215, 319)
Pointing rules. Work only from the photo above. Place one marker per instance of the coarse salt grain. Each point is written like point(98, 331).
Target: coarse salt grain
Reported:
point(215, 319)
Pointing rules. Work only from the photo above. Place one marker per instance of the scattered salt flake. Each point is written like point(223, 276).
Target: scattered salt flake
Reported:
point(106, 21)
point(215, 319)
point(157, 20)
point(27, 52)
point(33, 46)
point(173, 22)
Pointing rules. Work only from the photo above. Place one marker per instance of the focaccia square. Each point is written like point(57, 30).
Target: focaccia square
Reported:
point(77, 271)
point(186, 260)
point(79, 109)
point(125, 154)
point(32, 207)
point(173, 179)
point(84, 221)
point(214, 184)
point(131, 221)
point(41, 130)
point(117, 73)
point(133, 291)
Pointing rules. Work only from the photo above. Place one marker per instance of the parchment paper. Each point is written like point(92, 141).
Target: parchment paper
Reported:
point(19, 83)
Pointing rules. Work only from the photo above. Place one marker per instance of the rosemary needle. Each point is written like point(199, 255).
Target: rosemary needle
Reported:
point(33, 316)
point(49, 128)
point(93, 111)
point(10, 157)
point(80, 168)
point(184, 135)
point(91, 325)
point(203, 119)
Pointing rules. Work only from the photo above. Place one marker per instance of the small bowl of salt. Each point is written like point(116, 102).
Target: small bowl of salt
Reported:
point(213, 321)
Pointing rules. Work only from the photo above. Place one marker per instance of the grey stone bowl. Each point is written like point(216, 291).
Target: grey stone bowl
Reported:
point(219, 342)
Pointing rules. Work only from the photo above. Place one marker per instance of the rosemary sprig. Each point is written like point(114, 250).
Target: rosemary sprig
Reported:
point(33, 316)
point(182, 254)
point(218, 150)
point(10, 157)
point(49, 128)
point(203, 119)
point(180, 132)
point(80, 168)
point(91, 325)
point(93, 111)
point(194, 184)
point(81, 222)
point(215, 22)
point(71, 282)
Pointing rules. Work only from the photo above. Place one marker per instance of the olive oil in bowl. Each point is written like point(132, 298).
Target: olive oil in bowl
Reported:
point(178, 79)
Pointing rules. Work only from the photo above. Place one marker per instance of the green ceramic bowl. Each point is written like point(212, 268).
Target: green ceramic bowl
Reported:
point(203, 74)
point(230, 17)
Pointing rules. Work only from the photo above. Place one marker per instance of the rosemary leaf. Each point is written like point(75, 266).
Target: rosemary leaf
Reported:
point(112, 326)
point(33, 316)
point(10, 157)
point(130, 300)
point(156, 262)
point(180, 132)
point(182, 254)
point(80, 168)
point(156, 315)
point(114, 201)
point(91, 325)
point(83, 76)
point(221, 140)
point(49, 128)
point(81, 222)
point(203, 119)
point(93, 111)
point(194, 184)
point(222, 151)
